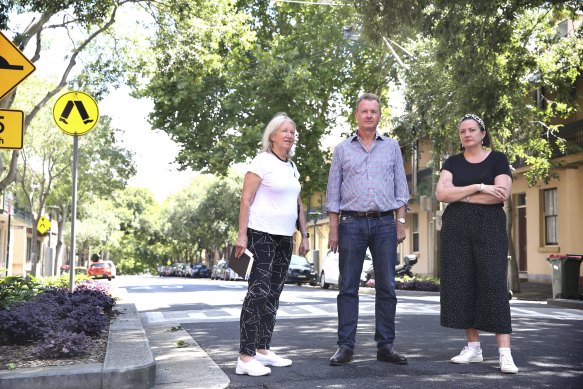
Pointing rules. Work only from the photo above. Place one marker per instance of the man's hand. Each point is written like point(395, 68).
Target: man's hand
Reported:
point(333, 240)
point(401, 233)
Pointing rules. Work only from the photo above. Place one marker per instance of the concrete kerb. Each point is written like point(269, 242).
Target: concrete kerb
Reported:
point(129, 362)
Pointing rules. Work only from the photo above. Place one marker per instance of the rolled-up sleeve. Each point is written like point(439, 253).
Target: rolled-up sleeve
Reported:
point(401, 187)
point(334, 182)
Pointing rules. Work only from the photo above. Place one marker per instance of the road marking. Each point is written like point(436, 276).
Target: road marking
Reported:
point(302, 311)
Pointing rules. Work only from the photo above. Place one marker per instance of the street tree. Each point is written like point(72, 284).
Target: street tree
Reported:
point(218, 214)
point(488, 58)
point(233, 65)
point(139, 244)
point(182, 224)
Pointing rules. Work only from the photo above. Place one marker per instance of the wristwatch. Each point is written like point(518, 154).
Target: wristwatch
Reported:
point(307, 235)
point(401, 220)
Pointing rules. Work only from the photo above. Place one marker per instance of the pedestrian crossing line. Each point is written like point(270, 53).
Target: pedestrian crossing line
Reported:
point(562, 314)
point(298, 311)
point(316, 311)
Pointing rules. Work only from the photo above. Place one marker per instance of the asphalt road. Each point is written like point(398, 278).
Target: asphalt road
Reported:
point(547, 340)
point(547, 352)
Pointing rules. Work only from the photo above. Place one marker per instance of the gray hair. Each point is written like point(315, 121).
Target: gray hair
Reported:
point(278, 120)
point(367, 96)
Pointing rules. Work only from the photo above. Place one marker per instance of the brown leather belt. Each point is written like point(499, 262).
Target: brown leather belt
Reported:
point(369, 214)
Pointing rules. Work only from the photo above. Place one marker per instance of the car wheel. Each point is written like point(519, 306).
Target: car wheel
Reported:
point(323, 283)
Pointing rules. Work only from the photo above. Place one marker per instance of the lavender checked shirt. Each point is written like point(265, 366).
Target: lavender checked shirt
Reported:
point(363, 181)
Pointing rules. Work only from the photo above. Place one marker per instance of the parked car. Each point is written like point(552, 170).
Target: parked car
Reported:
point(228, 274)
point(112, 267)
point(330, 272)
point(301, 271)
point(100, 270)
point(217, 269)
point(200, 271)
point(182, 270)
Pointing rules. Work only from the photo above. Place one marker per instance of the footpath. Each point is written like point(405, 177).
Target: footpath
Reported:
point(169, 357)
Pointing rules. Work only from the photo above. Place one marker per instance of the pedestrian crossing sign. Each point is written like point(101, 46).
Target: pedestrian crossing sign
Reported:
point(43, 225)
point(76, 113)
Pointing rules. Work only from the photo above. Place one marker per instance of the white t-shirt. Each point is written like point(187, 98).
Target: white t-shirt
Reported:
point(275, 207)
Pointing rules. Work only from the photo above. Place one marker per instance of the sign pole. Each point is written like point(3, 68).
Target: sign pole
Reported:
point(76, 113)
point(73, 215)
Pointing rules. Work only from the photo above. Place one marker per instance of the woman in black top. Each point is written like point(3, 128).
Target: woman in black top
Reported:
point(474, 246)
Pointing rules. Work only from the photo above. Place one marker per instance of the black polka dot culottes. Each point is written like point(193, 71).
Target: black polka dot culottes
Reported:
point(474, 252)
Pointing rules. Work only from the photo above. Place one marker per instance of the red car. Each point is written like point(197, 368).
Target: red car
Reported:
point(100, 270)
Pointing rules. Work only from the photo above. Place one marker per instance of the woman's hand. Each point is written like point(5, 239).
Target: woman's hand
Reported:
point(240, 244)
point(304, 246)
point(497, 191)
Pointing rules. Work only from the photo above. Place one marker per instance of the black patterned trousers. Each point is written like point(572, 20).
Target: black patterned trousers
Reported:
point(272, 254)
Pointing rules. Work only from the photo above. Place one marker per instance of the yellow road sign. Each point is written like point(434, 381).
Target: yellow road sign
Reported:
point(11, 129)
point(43, 225)
point(76, 113)
point(14, 66)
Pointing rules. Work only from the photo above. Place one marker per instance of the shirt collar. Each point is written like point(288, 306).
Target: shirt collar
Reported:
point(355, 136)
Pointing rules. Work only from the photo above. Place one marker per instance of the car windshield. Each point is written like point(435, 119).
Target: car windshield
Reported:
point(98, 265)
point(297, 260)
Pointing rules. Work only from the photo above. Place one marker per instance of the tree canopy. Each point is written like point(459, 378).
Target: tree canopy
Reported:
point(488, 58)
point(232, 66)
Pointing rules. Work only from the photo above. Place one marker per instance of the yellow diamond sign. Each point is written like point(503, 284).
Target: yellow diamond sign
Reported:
point(76, 113)
point(11, 129)
point(14, 66)
point(43, 225)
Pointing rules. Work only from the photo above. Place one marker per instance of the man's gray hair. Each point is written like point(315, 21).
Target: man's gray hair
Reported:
point(278, 120)
point(367, 96)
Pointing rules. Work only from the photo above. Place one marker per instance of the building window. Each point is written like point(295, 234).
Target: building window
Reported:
point(551, 216)
point(415, 231)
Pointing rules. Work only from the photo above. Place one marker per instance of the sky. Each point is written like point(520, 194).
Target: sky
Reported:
point(154, 151)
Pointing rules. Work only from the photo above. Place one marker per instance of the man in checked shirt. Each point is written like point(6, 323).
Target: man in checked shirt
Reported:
point(366, 200)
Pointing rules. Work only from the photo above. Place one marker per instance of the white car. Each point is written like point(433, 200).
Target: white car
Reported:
point(330, 273)
point(112, 267)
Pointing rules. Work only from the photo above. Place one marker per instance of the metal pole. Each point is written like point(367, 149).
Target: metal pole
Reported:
point(73, 215)
point(8, 243)
point(314, 247)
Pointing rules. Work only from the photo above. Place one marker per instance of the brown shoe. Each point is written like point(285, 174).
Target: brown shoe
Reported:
point(341, 357)
point(387, 354)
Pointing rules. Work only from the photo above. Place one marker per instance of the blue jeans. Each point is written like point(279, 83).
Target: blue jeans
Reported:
point(356, 234)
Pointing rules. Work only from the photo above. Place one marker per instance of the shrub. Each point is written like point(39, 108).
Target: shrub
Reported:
point(16, 289)
point(63, 280)
point(429, 284)
point(62, 344)
point(54, 312)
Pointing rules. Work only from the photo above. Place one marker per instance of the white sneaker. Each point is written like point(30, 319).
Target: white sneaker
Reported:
point(272, 359)
point(252, 368)
point(468, 354)
point(507, 364)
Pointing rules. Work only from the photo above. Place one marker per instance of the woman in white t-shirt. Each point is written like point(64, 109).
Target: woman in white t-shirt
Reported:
point(267, 220)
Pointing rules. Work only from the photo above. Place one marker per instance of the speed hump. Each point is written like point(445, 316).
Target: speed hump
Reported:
point(76, 113)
